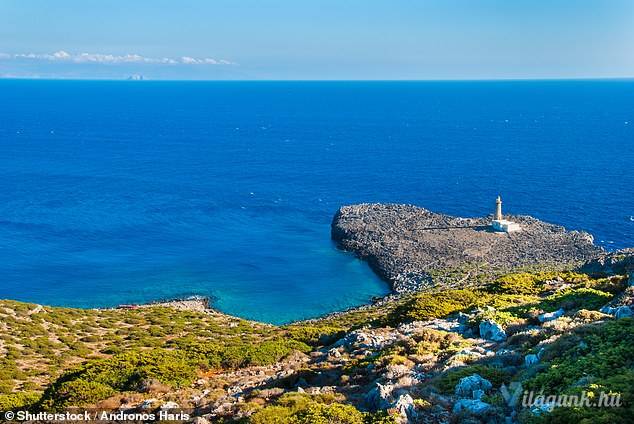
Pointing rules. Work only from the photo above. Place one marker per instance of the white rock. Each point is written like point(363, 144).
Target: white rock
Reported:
point(395, 371)
point(491, 330)
point(619, 312)
point(454, 325)
point(379, 397)
point(36, 310)
point(405, 406)
point(608, 310)
point(169, 405)
point(360, 339)
point(148, 403)
point(549, 316)
point(471, 406)
point(531, 359)
point(198, 398)
point(468, 385)
point(623, 312)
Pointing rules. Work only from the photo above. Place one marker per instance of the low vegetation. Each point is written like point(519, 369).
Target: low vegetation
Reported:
point(83, 356)
point(54, 358)
point(294, 408)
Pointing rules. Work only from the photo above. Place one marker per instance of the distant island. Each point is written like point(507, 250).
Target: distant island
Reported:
point(485, 323)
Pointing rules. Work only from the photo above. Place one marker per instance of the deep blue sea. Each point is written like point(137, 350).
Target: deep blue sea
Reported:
point(122, 192)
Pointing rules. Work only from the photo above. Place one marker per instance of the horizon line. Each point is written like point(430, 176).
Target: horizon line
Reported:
point(509, 79)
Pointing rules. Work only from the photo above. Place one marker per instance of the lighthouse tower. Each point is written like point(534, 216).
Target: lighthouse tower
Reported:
point(500, 224)
point(498, 209)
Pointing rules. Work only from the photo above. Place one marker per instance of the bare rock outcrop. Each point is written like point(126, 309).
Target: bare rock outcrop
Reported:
point(413, 248)
point(618, 262)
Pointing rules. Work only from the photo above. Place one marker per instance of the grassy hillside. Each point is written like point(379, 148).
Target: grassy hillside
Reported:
point(332, 370)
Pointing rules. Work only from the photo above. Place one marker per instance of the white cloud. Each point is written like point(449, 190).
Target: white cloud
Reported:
point(63, 56)
point(188, 60)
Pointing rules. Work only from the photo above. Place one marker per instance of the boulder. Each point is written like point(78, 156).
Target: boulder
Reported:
point(531, 359)
point(148, 403)
point(453, 325)
point(361, 339)
point(623, 312)
point(380, 396)
point(467, 386)
point(169, 405)
point(550, 316)
point(618, 312)
point(491, 330)
point(472, 407)
point(405, 407)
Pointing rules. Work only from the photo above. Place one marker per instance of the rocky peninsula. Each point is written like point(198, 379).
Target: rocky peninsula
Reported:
point(413, 248)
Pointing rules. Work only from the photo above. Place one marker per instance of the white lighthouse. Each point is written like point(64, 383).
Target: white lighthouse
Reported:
point(500, 224)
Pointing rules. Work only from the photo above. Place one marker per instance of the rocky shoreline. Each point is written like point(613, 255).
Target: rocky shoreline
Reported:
point(413, 248)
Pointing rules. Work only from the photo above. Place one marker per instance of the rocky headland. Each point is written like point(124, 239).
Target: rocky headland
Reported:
point(413, 248)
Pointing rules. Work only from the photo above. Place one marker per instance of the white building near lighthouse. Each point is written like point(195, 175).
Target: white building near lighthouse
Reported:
point(500, 224)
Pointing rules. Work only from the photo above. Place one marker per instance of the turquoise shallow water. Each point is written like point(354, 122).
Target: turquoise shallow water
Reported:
point(120, 192)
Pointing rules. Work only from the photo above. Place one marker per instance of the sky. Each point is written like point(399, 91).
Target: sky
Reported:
point(321, 39)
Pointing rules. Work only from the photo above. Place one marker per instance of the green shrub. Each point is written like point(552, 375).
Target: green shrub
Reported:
point(298, 408)
point(383, 417)
point(272, 415)
point(314, 335)
point(526, 283)
point(22, 400)
point(575, 299)
point(442, 303)
point(215, 355)
point(614, 284)
point(567, 299)
point(594, 358)
point(501, 317)
point(265, 353)
point(600, 351)
point(81, 392)
point(99, 379)
point(336, 413)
